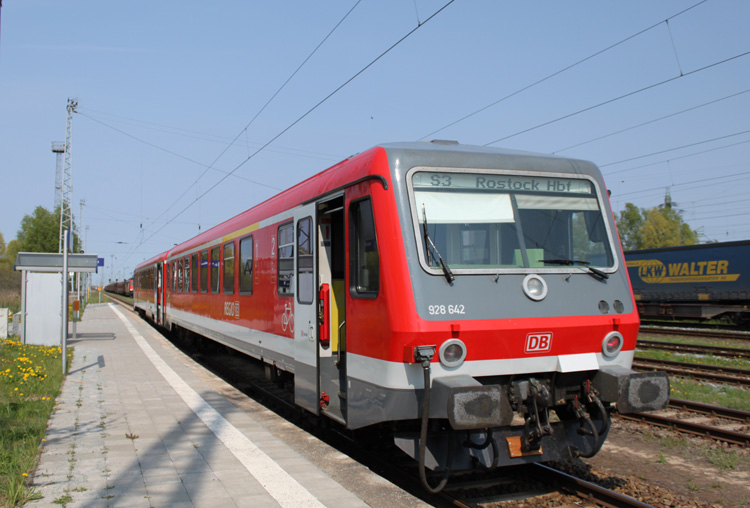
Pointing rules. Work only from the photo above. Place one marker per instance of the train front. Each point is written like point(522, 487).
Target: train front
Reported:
point(526, 325)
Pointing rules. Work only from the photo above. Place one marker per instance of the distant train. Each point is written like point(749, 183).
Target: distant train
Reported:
point(452, 296)
point(706, 281)
point(123, 288)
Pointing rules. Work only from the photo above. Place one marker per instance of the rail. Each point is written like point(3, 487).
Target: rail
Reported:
point(738, 377)
point(729, 352)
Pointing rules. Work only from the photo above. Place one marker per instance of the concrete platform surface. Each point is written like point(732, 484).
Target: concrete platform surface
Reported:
point(139, 424)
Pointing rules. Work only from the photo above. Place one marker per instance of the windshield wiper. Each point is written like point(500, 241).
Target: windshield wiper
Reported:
point(428, 244)
point(573, 262)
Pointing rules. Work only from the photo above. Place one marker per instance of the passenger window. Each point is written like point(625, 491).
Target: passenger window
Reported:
point(246, 265)
point(204, 271)
point(229, 267)
point(215, 269)
point(174, 276)
point(285, 259)
point(364, 261)
point(179, 276)
point(305, 286)
point(194, 273)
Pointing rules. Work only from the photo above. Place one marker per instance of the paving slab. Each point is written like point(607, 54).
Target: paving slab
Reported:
point(139, 424)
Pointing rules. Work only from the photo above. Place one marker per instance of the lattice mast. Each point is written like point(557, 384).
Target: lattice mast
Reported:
point(66, 212)
point(58, 148)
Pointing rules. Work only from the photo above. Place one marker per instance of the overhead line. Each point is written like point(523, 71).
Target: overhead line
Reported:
point(286, 129)
point(212, 138)
point(712, 179)
point(615, 99)
point(650, 121)
point(673, 149)
point(240, 134)
point(173, 153)
point(678, 158)
point(593, 55)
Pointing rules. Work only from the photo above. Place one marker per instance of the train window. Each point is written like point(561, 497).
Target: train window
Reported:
point(204, 271)
point(486, 222)
point(194, 273)
point(246, 265)
point(229, 267)
point(285, 259)
point(174, 276)
point(179, 276)
point(364, 270)
point(215, 269)
point(305, 284)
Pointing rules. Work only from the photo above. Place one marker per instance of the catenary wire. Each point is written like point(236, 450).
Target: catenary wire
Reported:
point(248, 125)
point(564, 69)
point(304, 115)
point(652, 121)
point(624, 96)
point(677, 158)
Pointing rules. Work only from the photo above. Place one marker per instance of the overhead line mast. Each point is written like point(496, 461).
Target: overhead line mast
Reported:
point(66, 213)
point(58, 148)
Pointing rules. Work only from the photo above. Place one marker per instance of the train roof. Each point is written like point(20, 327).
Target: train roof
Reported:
point(699, 246)
point(451, 153)
point(405, 154)
point(151, 261)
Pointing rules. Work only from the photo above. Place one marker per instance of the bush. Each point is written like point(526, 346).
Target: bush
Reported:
point(10, 290)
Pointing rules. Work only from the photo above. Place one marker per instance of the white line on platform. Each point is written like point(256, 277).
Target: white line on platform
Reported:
point(283, 488)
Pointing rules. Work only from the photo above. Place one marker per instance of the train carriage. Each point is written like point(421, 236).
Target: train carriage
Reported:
point(459, 295)
point(692, 281)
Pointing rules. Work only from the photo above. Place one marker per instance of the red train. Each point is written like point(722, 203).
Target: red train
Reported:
point(493, 278)
point(124, 287)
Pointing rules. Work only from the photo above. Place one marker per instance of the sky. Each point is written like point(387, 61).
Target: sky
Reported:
point(192, 112)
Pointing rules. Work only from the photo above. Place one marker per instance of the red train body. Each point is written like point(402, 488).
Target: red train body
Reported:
point(510, 298)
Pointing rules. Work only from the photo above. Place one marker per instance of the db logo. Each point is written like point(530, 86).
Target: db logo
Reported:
point(538, 342)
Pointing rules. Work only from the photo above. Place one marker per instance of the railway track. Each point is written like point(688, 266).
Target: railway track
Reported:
point(727, 375)
point(394, 470)
point(695, 332)
point(698, 429)
point(729, 352)
point(555, 487)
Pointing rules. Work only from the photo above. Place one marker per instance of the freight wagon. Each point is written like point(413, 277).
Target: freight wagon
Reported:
point(692, 282)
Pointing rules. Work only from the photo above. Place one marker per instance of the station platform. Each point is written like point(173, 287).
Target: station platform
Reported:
point(139, 424)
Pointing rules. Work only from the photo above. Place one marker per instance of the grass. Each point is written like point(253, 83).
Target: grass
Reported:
point(720, 361)
point(709, 393)
point(30, 380)
point(703, 391)
point(11, 299)
point(704, 341)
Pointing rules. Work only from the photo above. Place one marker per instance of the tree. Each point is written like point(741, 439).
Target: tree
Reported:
point(40, 231)
point(629, 226)
point(653, 228)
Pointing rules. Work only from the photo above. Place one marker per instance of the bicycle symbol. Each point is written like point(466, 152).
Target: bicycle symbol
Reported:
point(287, 318)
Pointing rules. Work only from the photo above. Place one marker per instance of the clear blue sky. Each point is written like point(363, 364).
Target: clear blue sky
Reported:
point(164, 87)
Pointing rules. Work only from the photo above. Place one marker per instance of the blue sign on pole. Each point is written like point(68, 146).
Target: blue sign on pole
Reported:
point(99, 261)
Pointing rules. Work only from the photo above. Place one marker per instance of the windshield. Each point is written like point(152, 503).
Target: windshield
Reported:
point(489, 222)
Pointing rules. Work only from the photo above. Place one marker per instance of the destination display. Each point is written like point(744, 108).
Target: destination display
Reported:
point(513, 183)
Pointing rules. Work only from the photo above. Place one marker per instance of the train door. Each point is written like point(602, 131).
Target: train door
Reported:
point(159, 293)
point(320, 317)
point(303, 284)
point(332, 309)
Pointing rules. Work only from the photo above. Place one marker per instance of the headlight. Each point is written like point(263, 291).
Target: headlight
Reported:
point(534, 287)
point(452, 353)
point(612, 344)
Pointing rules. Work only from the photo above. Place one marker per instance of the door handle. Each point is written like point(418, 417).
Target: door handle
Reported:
point(323, 315)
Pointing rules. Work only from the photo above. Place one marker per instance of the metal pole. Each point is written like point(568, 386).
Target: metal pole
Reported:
point(64, 332)
point(24, 278)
